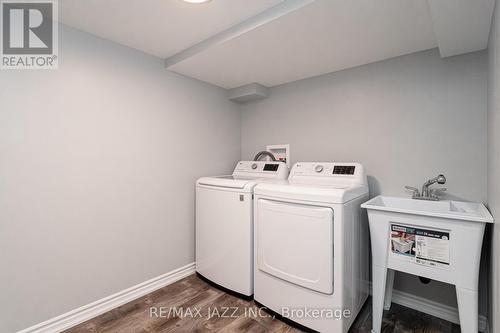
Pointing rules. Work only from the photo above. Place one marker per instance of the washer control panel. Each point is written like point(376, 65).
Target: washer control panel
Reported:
point(261, 169)
point(344, 169)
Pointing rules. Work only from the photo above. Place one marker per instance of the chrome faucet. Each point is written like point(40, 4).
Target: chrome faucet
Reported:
point(427, 193)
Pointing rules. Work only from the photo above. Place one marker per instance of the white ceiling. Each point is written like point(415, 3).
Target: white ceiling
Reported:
point(231, 43)
point(322, 37)
point(461, 26)
point(158, 27)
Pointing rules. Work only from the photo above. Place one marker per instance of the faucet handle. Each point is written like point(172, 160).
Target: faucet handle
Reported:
point(414, 190)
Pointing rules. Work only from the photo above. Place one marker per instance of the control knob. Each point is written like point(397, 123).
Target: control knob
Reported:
point(318, 168)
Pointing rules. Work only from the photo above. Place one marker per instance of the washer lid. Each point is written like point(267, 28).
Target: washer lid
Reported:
point(247, 174)
point(335, 193)
point(228, 181)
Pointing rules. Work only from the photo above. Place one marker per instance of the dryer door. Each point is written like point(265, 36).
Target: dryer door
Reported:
point(294, 242)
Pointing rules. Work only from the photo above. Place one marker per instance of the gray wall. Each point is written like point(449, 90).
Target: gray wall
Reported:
point(406, 119)
point(494, 164)
point(97, 172)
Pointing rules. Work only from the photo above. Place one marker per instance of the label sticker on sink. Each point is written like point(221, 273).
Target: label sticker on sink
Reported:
point(432, 247)
point(424, 246)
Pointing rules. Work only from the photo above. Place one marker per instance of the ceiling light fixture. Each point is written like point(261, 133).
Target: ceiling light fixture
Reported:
point(196, 1)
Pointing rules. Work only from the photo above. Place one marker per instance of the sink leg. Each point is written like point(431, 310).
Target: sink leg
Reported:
point(388, 289)
point(379, 283)
point(467, 309)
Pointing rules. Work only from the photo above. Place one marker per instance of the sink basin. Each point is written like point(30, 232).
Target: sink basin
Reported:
point(438, 240)
point(458, 210)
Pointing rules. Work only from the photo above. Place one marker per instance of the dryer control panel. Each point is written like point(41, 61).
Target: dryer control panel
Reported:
point(261, 169)
point(348, 173)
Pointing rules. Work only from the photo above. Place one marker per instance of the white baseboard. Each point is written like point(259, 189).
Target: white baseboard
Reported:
point(432, 308)
point(92, 310)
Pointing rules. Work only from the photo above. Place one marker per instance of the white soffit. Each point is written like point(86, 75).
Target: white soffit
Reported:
point(321, 37)
point(248, 93)
point(158, 27)
point(461, 26)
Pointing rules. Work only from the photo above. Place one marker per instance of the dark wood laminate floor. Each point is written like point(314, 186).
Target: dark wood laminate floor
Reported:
point(192, 292)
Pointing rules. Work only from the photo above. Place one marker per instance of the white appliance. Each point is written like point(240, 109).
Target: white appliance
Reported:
point(312, 245)
point(224, 223)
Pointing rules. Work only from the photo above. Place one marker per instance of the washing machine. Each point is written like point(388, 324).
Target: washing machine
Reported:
point(224, 223)
point(312, 245)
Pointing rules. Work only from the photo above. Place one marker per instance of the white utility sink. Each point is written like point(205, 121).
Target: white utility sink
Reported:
point(439, 240)
point(459, 210)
